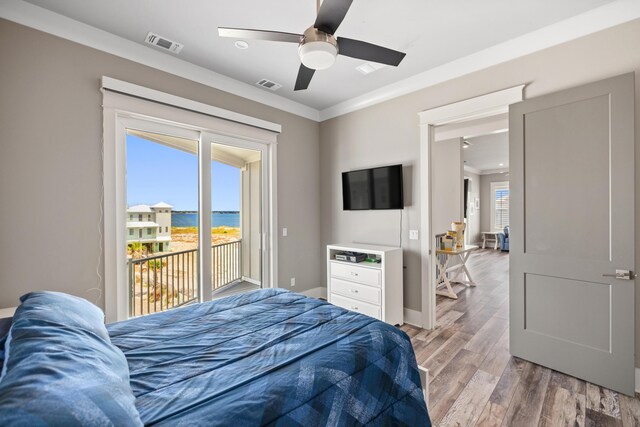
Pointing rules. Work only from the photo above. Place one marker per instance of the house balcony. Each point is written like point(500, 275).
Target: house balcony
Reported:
point(162, 282)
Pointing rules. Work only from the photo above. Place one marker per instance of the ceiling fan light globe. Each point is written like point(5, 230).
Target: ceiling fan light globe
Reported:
point(318, 55)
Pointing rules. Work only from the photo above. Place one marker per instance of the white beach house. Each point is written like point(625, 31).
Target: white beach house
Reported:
point(150, 225)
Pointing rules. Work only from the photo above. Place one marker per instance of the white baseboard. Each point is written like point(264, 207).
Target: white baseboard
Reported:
point(413, 317)
point(318, 292)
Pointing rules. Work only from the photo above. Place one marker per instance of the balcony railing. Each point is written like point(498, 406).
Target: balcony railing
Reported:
point(160, 282)
point(226, 263)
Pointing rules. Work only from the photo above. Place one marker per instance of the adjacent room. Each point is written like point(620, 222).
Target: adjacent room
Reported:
point(319, 213)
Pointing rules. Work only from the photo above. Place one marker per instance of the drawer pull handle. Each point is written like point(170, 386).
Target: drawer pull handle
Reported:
point(355, 291)
point(354, 308)
point(354, 274)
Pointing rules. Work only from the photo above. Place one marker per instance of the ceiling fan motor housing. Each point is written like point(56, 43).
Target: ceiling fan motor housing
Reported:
point(318, 50)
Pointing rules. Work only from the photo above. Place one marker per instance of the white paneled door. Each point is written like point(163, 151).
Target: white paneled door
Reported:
point(572, 229)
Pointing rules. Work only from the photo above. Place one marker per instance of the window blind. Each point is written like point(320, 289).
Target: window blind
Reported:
point(501, 207)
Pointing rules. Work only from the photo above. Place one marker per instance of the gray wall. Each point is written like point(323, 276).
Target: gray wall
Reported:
point(447, 185)
point(485, 197)
point(388, 133)
point(51, 169)
point(473, 216)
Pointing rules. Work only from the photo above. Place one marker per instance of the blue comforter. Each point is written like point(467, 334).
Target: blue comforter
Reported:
point(270, 357)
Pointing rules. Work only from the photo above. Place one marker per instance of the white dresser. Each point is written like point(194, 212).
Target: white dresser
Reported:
point(374, 289)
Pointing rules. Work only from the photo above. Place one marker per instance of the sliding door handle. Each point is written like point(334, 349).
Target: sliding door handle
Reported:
point(622, 275)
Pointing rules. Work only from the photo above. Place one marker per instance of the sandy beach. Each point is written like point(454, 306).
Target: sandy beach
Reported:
point(184, 238)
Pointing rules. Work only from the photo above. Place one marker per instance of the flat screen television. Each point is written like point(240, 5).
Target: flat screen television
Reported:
point(377, 188)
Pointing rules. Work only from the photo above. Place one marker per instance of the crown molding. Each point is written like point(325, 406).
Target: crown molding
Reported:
point(471, 169)
point(592, 21)
point(49, 22)
point(493, 171)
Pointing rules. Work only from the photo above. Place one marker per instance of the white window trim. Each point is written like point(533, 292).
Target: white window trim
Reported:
point(121, 112)
point(497, 185)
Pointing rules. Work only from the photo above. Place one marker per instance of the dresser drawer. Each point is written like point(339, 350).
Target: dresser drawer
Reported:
point(356, 291)
point(355, 305)
point(355, 273)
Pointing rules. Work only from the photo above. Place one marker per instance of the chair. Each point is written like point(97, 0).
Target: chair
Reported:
point(503, 239)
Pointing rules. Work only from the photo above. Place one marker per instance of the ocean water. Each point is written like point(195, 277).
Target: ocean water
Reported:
point(229, 219)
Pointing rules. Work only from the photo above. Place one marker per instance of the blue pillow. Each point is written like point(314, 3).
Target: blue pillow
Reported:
point(60, 367)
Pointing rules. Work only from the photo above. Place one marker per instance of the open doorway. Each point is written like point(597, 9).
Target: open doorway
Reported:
point(486, 172)
point(474, 117)
point(470, 213)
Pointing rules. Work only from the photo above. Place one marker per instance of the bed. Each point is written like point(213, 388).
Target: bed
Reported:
point(268, 357)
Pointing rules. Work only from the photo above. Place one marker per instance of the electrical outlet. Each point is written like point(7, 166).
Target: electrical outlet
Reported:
point(284, 231)
point(413, 234)
point(293, 282)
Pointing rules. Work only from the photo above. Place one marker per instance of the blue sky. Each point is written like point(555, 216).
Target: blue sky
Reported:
point(156, 173)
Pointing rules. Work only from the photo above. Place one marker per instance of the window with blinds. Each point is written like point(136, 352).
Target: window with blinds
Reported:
point(499, 205)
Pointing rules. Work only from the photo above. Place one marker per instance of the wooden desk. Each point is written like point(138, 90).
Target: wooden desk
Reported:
point(490, 235)
point(460, 269)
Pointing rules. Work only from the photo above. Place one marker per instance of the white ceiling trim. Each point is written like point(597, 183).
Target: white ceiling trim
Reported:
point(492, 171)
point(595, 20)
point(470, 169)
point(44, 20)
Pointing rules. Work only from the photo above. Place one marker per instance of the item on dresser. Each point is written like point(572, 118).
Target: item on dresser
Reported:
point(351, 256)
point(458, 227)
point(448, 242)
point(371, 288)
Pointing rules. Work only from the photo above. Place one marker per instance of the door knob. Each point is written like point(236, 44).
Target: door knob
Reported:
point(621, 274)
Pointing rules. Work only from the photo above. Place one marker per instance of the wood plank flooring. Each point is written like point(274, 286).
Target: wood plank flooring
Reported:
point(474, 381)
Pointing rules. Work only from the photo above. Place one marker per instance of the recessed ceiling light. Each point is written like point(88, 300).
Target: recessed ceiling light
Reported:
point(501, 164)
point(241, 44)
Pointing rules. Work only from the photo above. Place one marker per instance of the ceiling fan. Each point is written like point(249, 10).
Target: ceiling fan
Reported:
point(318, 47)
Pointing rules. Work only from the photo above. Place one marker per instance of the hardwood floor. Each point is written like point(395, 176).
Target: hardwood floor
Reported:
point(474, 381)
point(235, 288)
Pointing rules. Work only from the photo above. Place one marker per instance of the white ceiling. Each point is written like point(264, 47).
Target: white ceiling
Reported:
point(431, 32)
point(488, 152)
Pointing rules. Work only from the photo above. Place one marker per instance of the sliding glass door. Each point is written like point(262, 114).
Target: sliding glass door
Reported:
point(162, 221)
point(194, 218)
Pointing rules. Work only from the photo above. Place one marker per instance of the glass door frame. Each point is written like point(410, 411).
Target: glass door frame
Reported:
point(207, 139)
point(115, 202)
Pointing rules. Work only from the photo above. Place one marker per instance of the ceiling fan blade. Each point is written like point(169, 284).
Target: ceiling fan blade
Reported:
point(245, 33)
point(369, 52)
point(331, 14)
point(304, 77)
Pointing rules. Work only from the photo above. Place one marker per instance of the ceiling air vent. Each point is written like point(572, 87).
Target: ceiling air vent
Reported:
point(163, 43)
point(369, 67)
point(268, 84)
